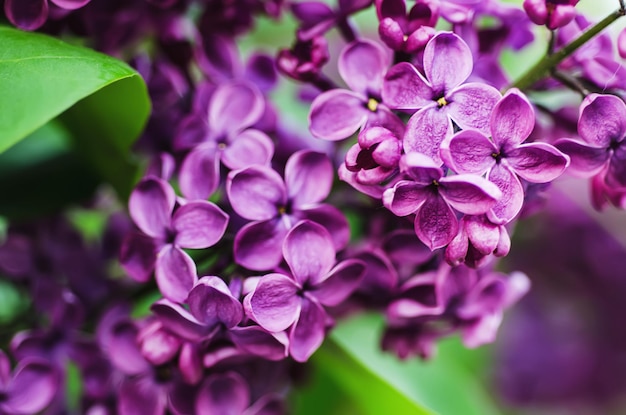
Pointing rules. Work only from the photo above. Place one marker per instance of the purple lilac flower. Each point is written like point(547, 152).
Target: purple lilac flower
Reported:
point(29, 389)
point(296, 302)
point(432, 196)
point(223, 134)
point(316, 17)
point(32, 14)
point(279, 205)
point(338, 113)
point(602, 127)
point(406, 33)
point(506, 156)
point(194, 225)
point(304, 61)
point(478, 239)
point(375, 156)
point(552, 13)
point(439, 97)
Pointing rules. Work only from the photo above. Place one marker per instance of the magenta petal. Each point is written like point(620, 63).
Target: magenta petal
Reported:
point(426, 130)
point(512, 198)
point(471, 106)
point(469, 193)
point(191, 131)
point(308, 332)
point(223, 394)
point(179, 321)
point(275, 303)
point(537, 162)
point(405, 88)
point(248, 148)
point(309, 252)
point(150, 205)
point(483, 234)
point(362, 65)
point(258, 184)
point(141, 395)
point(175, 273)
point(421, 168)
point(211, 302)
point(405, 197)
point(469, 151)
point(602, 120)
point(435, 223)
point(199, 225)
point(259, 342)
point(199, 174)
point(70, 4)
point(585, 161)
point(234, 107)
point(123, 349)
point(309, 177)
point(27, 14)
point(513, 119)
point(34, 385)
point(337, 114)
point(333, 220)
point(447, 61)
point(339, 283)
point(5, 370)
point(258, 244)
point(138, 255)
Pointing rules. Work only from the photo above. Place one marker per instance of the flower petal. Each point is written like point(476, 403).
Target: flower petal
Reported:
point(258, 244)
point(537, 162)
point(224, 394)
point(175, 273)
point(274, 304)
point(471, 105)
point(70, 4)
point(309, 177)
point(585, 161)
point(332, 219)
point(211, 302)
point(405, 197)
point(138, 255)
point(483, 234)
point(141, 395)
point(309, 252)
point(150, 205)
point(362, 65)
point(308, 332)
point(259, 342)
point(179, 321)
point(469, 151)
point(27, 14)
point(512, 198)
point(199, 225)
point(602, 120)
point(447, 62)
point(32, 388)
point(337, 114)
point(405, 88)
point(426, 130)
point(469, 193)
point(199, 174)
point(512, 120)
point(248, 148)
point(339, 283)
point(435, 222)
point(259, 184)
point(234, 107)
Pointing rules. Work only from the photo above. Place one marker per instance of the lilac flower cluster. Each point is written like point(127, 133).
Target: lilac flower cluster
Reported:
point(239, 226)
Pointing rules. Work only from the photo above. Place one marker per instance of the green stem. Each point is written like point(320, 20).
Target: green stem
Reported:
point(545, 65)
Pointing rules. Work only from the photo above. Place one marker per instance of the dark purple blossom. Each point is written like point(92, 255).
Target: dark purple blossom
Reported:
point(505, 156)
point(304, 61)
point(432, 196)
point(375, 156)
point(296, 302)
point(194, 225)
point(440, 96)
point(32, 14)
point(478, 239)
point(406, 33)
point(278, 205)
point(338, 113)
point(552, 13)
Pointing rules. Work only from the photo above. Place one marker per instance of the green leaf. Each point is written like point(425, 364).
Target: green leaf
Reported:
point(103, 102)
point(444, 385)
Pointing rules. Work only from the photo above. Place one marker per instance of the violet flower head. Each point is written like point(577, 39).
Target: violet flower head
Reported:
point(296, 302)
point(195, 225)
point(375, 157)
point(304, 61)
point(552, 13)
point(602, 128)
point(506, 156)
point(432, 196)
point(406, 33)
point(338, 113)
point(32, 14)
point(29, 389)
point(222, 134)
point(440, 96)
point(278, 205)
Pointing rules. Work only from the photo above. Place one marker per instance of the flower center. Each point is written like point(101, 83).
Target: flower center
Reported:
point(442, 102)
point(372, 104)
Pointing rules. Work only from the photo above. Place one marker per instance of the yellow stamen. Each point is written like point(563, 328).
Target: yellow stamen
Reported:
point(372, 105)
point(282, 210)
point(442, 102)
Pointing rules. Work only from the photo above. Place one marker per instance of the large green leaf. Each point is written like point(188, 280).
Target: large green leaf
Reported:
point(103, 102)
point(380, 383)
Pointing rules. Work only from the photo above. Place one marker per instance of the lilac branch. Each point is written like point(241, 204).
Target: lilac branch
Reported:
point(545, 66)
